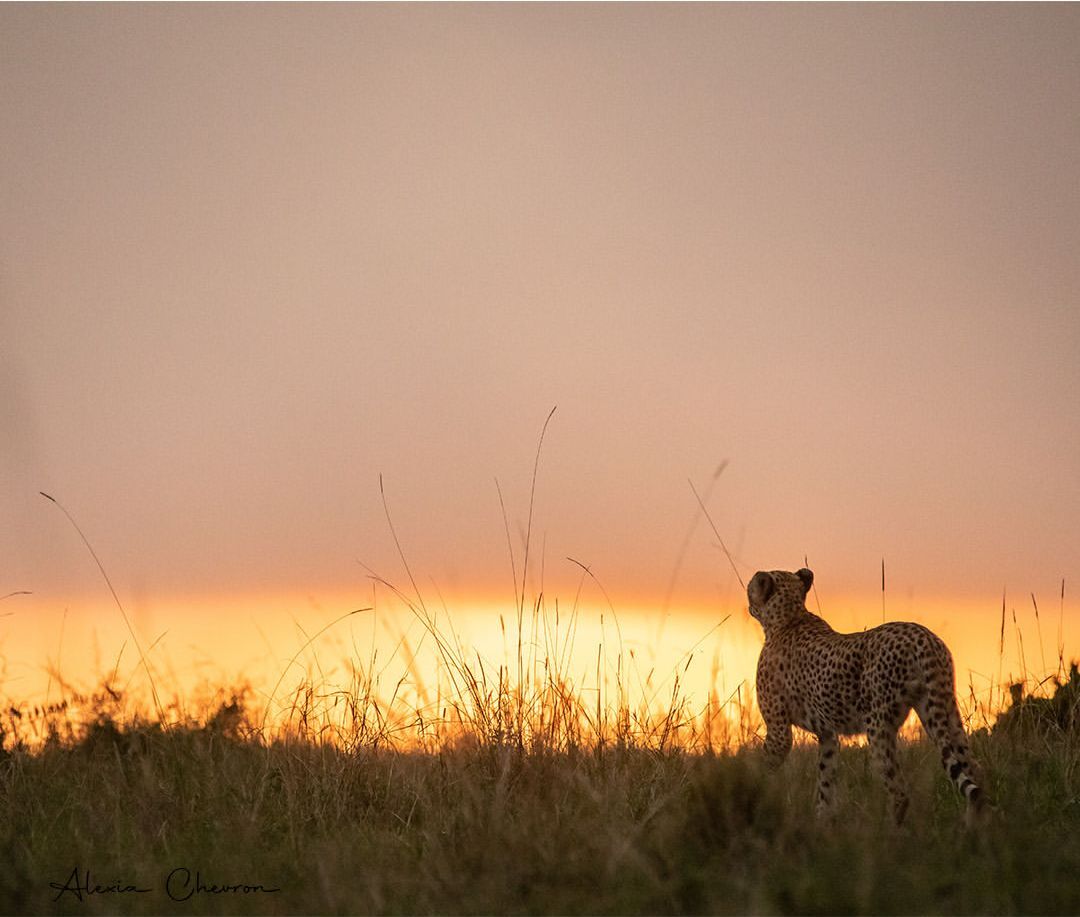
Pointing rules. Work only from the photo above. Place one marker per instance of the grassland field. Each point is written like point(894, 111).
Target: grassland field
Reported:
point(115, 813)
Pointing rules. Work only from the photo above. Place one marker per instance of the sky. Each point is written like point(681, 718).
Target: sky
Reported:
point(255, 259)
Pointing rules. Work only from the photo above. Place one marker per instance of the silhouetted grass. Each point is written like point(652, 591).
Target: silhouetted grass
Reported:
point(494, 793)
point(513, 789)
point(488, 823)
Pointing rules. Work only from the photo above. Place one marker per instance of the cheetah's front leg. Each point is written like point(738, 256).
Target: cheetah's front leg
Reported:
point(777, 742)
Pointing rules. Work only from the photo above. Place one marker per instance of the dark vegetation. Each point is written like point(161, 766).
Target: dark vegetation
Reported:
point(513, 823)
point(515, 793)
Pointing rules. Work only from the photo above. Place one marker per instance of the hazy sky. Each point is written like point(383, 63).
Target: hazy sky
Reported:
point(254, 256)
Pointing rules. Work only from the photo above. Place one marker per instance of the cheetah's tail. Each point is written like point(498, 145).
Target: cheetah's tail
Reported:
point(940, 716)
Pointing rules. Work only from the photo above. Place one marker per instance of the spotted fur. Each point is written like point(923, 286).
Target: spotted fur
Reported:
point(833, 684)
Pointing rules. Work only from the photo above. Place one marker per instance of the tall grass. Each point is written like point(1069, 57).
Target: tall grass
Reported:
point(488, 794)
point(481, 822)
point(525, 785)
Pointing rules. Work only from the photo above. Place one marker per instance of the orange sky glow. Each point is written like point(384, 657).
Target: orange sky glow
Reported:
point(285, 287)
point(202, 648)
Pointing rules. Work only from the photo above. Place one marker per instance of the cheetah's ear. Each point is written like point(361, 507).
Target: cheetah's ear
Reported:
point(761, 587)
point(807, 577)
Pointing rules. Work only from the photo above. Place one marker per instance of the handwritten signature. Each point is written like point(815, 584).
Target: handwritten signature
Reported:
point(180, 885)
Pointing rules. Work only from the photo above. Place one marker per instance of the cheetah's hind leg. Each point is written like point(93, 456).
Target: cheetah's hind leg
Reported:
point(828, 747)
point(881, 738)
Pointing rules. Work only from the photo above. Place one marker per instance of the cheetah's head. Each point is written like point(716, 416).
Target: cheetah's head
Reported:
point(777, 596)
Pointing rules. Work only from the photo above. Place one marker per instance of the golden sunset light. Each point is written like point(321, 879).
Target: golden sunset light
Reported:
point(463, 398)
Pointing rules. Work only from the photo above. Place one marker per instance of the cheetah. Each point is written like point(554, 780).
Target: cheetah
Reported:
point(833, 684)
